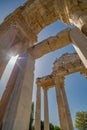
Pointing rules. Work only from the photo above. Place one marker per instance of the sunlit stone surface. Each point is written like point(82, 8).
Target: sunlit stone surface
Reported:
point(18, 35)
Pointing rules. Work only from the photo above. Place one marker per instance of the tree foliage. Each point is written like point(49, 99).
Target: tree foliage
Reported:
point(56, 128)
point(51, 126)
point(42, 125)
point(81, 120)
point(31, 127)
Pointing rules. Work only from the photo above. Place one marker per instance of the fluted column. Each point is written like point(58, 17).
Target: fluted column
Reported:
point(67, 111)
point(79, 41)
point(38, 110)
point(46, 111)
point(61, 109)
point(17, 115)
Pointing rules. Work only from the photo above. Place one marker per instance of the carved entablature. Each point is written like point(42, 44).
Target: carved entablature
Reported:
point(48, 81)
point(65, 65)
point(45, 82)
point(65, 59)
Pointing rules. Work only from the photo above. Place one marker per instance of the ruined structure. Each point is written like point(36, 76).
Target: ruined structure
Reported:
point(18, 35)
point(65, 65)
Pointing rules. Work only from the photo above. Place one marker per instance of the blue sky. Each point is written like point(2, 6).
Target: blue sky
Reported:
point(75, 84)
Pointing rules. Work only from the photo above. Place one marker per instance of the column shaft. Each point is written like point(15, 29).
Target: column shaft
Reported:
point(79, 19)
point(67, 111)
point(3, 66)
point(7, 93)
point(80, 44)
point(61, 109)
point(19, 108)
point(46, 112)
point(38, 110)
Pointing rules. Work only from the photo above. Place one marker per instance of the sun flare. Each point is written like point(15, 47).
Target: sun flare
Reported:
point(13, 59)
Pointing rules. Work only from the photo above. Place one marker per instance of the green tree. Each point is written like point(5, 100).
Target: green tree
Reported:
point(42, 125)
point(56, 128)
point(51, 126)
point(81, 120)
point(31, 127)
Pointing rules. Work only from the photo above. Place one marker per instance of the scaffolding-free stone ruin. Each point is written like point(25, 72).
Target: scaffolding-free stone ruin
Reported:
point(18, 35)
point(65, 65)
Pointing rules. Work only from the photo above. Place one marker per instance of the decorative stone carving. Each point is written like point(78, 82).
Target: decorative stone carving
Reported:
point(29, 19)
point(65, 65)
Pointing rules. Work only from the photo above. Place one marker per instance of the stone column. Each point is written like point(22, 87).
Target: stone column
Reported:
point(61, 109)
point(7, 39)
point(17, 116)
point(2, 68)
point(3, 64)
point(7, 93)
point(67, 111)
point(80, 44)
point(79, 19)
point(38, 109)
point(46, 111)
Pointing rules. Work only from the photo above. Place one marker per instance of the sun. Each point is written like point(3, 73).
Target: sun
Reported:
point(13, 59)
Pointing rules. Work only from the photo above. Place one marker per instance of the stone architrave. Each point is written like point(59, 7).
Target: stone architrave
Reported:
point(46, 111)
point(38, 109)
point(17, 115)
point(61, 109)
point(51, 44)
point(80, 44)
